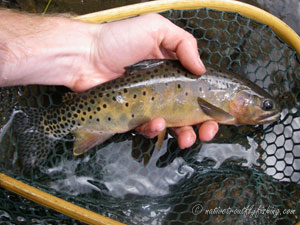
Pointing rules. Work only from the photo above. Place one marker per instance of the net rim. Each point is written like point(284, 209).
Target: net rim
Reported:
point(285, 32)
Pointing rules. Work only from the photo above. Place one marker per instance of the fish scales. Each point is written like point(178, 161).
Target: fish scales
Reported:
point(151, 89)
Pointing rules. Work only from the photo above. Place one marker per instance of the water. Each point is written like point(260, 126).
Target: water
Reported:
point(222, 152)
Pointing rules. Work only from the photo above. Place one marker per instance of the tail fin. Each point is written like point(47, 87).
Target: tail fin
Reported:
point(33, 144)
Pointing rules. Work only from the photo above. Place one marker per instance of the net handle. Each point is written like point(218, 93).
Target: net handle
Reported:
point(286, 33)
point(53, 202)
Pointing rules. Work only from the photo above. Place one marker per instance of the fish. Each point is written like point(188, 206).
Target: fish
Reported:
point(147, 90)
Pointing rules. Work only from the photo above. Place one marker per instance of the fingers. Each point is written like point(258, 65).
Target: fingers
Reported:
point(152, 128)
point(184, 44)
point(186, 136)
point(188, 57)
point(208, 130)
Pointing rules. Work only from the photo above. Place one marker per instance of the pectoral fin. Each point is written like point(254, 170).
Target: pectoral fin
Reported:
point(86, 139)
point(161, 138)
point(214, 112)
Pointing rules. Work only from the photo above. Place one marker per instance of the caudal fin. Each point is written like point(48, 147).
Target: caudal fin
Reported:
point(33, 144)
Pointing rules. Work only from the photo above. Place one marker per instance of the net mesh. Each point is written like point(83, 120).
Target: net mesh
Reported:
point(244, 170)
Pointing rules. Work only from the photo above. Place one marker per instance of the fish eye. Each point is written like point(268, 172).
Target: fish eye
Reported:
point(267, 105)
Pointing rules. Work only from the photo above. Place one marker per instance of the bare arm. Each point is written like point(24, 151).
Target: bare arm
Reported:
point(61, 51)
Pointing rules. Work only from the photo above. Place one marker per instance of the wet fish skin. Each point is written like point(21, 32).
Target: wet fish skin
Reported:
point(150, 89)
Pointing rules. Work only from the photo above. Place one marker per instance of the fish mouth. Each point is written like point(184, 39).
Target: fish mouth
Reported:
point(269, 117)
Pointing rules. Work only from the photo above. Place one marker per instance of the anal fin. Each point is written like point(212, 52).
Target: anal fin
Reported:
point(87, 139)
point(161, 138)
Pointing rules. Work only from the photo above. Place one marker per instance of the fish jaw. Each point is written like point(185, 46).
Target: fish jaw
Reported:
point(269, 118)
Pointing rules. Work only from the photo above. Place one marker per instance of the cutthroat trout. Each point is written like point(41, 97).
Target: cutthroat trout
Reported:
point(149, 89)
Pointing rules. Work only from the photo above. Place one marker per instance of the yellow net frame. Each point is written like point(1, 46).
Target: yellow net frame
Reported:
point(278, 26)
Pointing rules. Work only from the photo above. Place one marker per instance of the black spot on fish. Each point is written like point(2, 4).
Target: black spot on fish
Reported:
point(179, 86)
point(78, 111)
point(91, 117)
point(134, 96)
point(104, 106)
point(107, 95)
point(128, 79)
point(152, 76)
point(152, 99)
point(89, 109)
point(82, 119)
point(100, 95)
point(80, 106)
point(85, 103)
point(97, 119)
point(62, 111)
point(75, 115)
point(84, 113)
point(148, 72)
point(155, 70)
point(92, 92)
point(73, 108)
point(114, 98)
point(47, 129)
point(64, 118)
point(92, 101)
point(186, 94)
point(103, 89)
point(98, 108)
point(132, 115)
point(125, 90)
point(144, 93)
point(84, 97)
point(126, 104)
point(73, 122)
point(109, 119)
point(69, 114)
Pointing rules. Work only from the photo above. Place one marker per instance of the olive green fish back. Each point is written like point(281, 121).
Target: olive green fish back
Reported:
point(246, 167)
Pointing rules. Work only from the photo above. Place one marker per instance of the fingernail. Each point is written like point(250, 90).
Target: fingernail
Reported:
point(201, 65)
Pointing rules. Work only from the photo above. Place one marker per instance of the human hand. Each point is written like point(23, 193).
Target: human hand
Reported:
point(123, 43)
point(60, 51)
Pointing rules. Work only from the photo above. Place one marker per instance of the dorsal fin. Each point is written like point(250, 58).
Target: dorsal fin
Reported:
point(145, 64)
point(68, 96)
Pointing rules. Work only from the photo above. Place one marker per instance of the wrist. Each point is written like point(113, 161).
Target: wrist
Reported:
point(45, 50)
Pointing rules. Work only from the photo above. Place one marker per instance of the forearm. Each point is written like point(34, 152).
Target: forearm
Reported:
point(34, 48)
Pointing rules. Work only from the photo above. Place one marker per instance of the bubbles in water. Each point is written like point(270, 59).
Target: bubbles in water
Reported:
point(221, 152)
